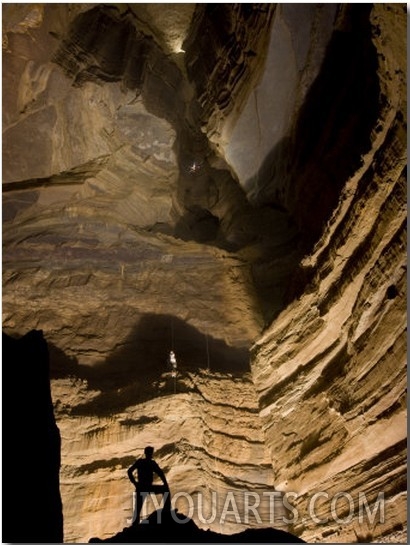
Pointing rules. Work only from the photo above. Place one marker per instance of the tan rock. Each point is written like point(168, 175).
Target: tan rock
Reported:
point(248, 191)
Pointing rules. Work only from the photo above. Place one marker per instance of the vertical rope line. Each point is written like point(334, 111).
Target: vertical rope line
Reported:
point(173, 348)
point(207, 351)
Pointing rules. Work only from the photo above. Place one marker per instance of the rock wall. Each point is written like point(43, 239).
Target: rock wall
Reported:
point(295, 52)
point(207, 437)
point(208, 178)
point(331, 369)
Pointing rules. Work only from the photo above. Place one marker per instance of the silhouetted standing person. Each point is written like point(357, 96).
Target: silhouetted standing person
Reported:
point(146, 468)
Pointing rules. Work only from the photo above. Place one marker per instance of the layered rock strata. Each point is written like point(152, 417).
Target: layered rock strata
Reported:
point(186, 177)
point(207, 437)
point(331, 370)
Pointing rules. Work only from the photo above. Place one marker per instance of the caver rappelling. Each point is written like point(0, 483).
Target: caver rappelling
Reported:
point(173, 364)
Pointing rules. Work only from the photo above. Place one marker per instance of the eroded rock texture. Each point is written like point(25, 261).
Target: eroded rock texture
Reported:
point(330, 370)
point(208, 435)
point(211, 178)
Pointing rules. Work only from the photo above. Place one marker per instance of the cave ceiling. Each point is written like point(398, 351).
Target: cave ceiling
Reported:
point(125, 201)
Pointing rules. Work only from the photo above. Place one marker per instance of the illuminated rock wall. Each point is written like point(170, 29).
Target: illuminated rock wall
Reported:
point(207, 439)
point(210, 178)
point(331, 369)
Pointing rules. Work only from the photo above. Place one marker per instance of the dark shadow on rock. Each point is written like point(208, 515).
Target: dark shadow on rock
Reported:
point(61, 365)
point(172, 527)
point(307, 169)
point(32, 507)
point(132, 373)
point(197, 224)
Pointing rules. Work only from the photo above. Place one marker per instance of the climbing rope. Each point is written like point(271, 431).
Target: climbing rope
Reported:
point(207, 352)
point(172, 334)
point(172, 357)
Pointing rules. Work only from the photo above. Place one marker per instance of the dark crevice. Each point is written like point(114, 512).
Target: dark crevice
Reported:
point(307, 169)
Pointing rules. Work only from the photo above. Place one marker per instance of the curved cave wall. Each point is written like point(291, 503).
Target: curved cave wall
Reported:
point(228, 181)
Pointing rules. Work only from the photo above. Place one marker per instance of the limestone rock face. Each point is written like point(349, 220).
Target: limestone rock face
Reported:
point(207, 434)
point(227, 181)
point(331, 369)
